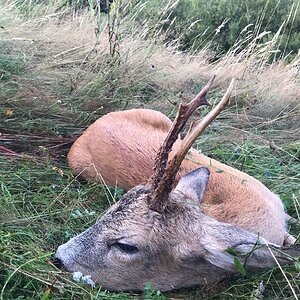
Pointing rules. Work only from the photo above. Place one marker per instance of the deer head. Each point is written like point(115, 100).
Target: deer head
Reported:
point(158, 235)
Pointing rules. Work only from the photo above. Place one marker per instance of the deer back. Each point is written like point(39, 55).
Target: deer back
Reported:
point(120, 147)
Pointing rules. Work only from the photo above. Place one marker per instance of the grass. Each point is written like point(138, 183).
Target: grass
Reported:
point(57, 78)
point(42, 206)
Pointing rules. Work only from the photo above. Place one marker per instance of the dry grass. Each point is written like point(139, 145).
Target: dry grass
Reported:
point(66, 47)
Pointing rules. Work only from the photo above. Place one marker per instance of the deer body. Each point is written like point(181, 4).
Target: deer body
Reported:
point(166, 234)
point(121, 147)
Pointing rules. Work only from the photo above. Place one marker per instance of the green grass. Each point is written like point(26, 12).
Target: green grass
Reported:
point(42, 206)
point(52, 87)
point(10, 65)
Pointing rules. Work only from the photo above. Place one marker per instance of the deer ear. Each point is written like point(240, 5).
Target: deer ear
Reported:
point(193, 184)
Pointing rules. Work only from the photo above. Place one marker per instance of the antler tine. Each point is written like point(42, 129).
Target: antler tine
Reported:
point(164, 186)
point(183, 114)
point(198, 127)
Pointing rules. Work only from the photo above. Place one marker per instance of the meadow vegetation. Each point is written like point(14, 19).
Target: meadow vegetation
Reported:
point(63, 65)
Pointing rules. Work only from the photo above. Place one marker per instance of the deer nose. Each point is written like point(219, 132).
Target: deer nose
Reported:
point(57, 263)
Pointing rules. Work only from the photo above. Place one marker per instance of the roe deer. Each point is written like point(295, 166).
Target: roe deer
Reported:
point(121, 148)
point(162, 236)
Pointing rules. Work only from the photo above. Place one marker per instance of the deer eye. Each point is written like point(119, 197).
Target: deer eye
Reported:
point(126, 247)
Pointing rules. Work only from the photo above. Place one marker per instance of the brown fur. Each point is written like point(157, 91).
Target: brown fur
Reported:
point(121, 147)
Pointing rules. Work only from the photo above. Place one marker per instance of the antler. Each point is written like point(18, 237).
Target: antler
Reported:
point(164, 172)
